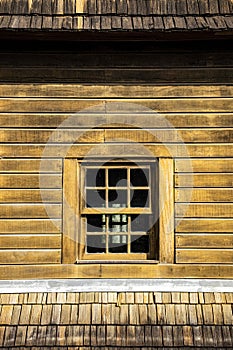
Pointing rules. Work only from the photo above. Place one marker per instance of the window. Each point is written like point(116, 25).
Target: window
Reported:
point(118, 211)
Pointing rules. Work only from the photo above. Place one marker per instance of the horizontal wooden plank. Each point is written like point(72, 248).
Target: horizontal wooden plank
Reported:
point(204, 225)
point(204, 180)
point(30, 226)
point(30, 211)
point(34, 256)
point(30, 241)
point(204, 210)
point(108, 91)
point(53, 136)
point(204, 256)
point(204, 195)
point(161, 135)
point(58, 271)
point(211, 240)
point(21, 105)
point(30, 181)
point(121, 75)
point(121, 59)
point(30, 196)
point(92, 119)
point(204, 165)
point(112, 150)
point(30, 165)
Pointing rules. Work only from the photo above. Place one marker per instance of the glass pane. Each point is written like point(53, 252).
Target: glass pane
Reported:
point(95, 199)
point(96, 244)
point(117, 199)
point(118, 223)
point(140, 223)
point(95, 177)
point(139, 244)
point(117, 244)
point(139, 177)
point(139, 198)
point(117, 177)
point(96, 223)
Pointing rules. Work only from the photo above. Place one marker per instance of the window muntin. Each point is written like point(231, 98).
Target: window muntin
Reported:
point(110, 187)
point(118, 221)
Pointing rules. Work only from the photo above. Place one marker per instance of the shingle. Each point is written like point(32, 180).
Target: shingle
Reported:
point(36, 22)
point(225, 7)
point(169, 22)
point(127, 23)
point(137, 23)
point(47, 22)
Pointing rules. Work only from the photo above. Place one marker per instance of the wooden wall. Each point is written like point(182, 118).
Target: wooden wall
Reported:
point(189, 87)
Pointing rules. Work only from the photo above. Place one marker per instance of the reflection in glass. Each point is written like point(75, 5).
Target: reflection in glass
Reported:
point(117, 244)
point(139, 177)
point(96, 244)
point(139, 198)
point(117, 198)
point(95, 177)
point(96, 223)
point(140, 244)
point(117, 177)
point(118, 223)
point(95, 198)
point(140, 223)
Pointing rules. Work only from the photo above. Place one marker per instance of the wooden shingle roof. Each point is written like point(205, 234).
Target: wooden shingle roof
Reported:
point(117, 15)
point(116, 321)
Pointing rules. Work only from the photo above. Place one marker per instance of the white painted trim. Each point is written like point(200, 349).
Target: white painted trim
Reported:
point(117, 285)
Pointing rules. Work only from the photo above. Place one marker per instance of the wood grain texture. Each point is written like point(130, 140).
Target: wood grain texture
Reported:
point(204, 225)
point(200, 210)
point(30, 181)
point(204, 195)
point(210, 240)
point(27, 256)
point(8, 211)
point(205, 165)
point(30, 166)
point(157, 150)
point(170, 136)
point(124, 120)
point(166, 217)
point(109, 270)
point(71, 223)
point(29, 226)
point(52, 136)
point(30, 196)
point(108, 91)
point(204, 256)
point(204, 180)
point(22, 105)
point(30, 241)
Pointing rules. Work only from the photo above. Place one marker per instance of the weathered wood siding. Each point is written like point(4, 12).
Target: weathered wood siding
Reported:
point(191, 89)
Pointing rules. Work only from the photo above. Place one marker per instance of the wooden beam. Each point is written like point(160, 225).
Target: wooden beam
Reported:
point(70, 219)
point(166, 209)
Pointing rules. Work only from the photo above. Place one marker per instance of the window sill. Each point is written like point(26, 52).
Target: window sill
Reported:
point(116, 262)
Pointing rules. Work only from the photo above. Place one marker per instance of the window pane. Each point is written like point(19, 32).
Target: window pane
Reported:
point(96, 244)
point(139, 177)
point(95, 177)
point(139, 198)
point(117, 177)
point(140, 223)
point(140, 244)
point(118, 223)
point(95, 199)
point(117, 199)
point(117, 244)
point(96, 223)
